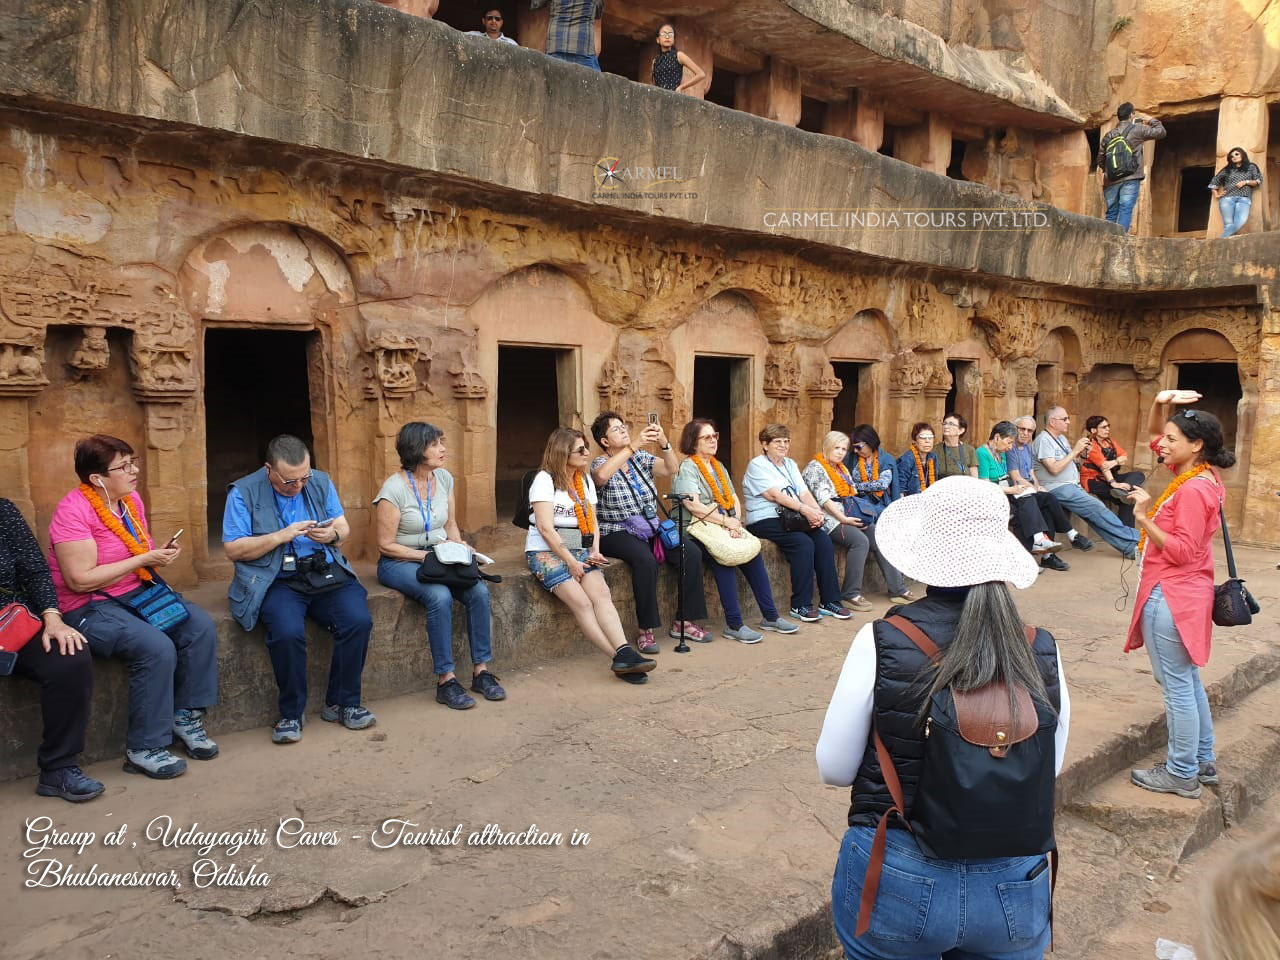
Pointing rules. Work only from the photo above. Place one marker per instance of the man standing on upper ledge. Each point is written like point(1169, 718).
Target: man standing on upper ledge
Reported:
point(1120, 162)
point(571, 34)
point(281, 528)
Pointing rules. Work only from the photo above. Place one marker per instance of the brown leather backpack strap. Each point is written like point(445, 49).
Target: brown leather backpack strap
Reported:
point(915, 635)
point(871, 882)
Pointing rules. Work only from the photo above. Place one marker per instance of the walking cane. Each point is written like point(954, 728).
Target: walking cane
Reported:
point(677, 498)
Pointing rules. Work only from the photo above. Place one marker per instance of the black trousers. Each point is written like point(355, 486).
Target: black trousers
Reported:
point(1123, 508)
point(1027, 519)
point(1051, 509)
point(66, 684)
point(638, 555)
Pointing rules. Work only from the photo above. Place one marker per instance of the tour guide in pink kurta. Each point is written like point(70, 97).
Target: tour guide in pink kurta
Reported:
point(1173, 616)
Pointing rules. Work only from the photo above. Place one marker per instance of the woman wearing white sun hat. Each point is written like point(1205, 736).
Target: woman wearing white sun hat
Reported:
point(954, 537)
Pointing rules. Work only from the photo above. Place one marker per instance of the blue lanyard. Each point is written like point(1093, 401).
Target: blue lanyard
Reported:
point(635, 486)
point(128, 525)
point(959, 463)
point(426, 512)
point(785, 476)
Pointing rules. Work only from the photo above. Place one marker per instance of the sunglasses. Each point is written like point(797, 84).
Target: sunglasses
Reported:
point(498, 19)
point(580, 450)
point(709, 436)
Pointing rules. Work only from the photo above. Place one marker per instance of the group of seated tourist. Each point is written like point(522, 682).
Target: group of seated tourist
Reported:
point(101, 589)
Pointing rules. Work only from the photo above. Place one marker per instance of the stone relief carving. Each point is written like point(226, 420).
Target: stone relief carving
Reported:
point(21, 370)
point(908, 374)
point(973, 380)
point(468, 384)
point(1024, 377)
point(940, 380)
point(93, 353)
point(781, 374)
point(394, 356)
point(993, 384)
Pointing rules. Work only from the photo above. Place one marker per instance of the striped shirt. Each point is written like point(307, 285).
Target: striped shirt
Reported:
point(572, 26)
point(1229, 179)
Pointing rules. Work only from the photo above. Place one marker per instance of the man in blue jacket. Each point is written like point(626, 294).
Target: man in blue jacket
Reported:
point(282, 527)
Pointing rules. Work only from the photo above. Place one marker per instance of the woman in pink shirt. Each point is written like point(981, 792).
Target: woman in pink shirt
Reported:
point(102, 556)
point(1173, 615)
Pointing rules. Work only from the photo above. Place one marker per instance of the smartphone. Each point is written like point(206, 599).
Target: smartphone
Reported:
point(325, 523)
point(1038, 869)
point(653, 419)
point(173, 541)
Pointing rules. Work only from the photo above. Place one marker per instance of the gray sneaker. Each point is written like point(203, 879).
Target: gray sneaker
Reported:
point(188, 727)
point(743, 634)
point(1209, 774)
point(778, 626)
point(1159, 780)
point(158, 764)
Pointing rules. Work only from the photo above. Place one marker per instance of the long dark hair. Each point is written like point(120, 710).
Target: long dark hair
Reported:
point(990, 644)
point(1204, 426)
point(1244, 160)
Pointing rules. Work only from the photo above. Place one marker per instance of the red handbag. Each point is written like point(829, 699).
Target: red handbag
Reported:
point(18, 626)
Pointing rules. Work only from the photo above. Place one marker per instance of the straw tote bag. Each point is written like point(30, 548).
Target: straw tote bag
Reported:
point(727, 551)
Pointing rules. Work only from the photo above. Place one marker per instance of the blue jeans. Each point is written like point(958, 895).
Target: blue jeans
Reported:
point(402, 575)
point(925, 909)
point(1186, 708)
point(1121, 199)
point(589, 61)
point(178, 668)
point(1235, 213)
point(344, 612)
point(727, 585)
point(809, 553)
point(1090, 509)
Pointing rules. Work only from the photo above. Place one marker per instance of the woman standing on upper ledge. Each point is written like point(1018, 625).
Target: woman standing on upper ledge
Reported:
point(669, 66)
point(1233, 187)
point(1173, 614)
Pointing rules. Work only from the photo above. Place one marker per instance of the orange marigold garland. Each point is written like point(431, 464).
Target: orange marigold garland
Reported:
point(839, 476)
point(112, 523)
point(586, 516)
point(1169, 491)
point(862, 472)
point(925, 482)
point(719, 491)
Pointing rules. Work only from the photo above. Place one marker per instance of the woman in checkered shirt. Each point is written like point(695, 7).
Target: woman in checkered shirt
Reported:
point(1233, 187)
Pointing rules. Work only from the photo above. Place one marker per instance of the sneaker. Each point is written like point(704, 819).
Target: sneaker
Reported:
point(859, 603)
point(636, 678)
point(626, 659)
point(646, 643)
point(806, 614)
point(1043, 544)
point(1117, 494)
point(1081, 542)
point(451, 694)
point(158, 764)
point(286, 731)
point(743, 634)
point(834, 610)
point(353, 718)
point(1208, 774)
point(72, 785)
point(188, 727)
point(1050, 562)
point(903, 598)
point(487, 684)
point(691, 632)
point(778, 626)
point(1159, 780)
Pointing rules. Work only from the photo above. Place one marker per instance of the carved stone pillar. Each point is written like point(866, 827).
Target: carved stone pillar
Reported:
point(822, 394)
point(908, 374)
point(994, 390)
point(1262, 519)
point(19, 382)
point(782, 385)
point(936, 389)
point(1142, 456)
point(172, 503)
point(475, 489)
point(1025, 386)
point(773, 93)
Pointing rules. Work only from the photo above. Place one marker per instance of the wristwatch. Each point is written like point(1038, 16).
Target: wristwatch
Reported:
point(666, 448)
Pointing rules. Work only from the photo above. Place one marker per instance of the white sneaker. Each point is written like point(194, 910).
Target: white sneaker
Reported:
point(1042, 544)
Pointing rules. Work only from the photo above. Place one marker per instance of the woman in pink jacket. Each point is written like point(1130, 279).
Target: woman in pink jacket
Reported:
point(1173, 615)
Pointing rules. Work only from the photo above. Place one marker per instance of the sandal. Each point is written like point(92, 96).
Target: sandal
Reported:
point(691, 632)
point(645, 642)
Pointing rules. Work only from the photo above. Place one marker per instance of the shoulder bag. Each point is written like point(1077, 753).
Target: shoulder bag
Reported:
point(1233, 604)
point(726, 550)
point(453, 565)
point(156, 602)
point(18, 626)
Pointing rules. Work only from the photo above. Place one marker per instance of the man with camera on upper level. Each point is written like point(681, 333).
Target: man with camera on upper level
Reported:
point(1120, 162)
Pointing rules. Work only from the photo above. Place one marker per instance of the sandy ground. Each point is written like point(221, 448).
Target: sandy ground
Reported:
point(708, 828)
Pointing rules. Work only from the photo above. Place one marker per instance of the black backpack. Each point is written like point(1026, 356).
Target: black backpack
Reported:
point(1119, 159)
point(523, 508)
point(986, 785)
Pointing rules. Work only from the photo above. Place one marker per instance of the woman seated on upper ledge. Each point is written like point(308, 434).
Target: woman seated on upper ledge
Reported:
point(918, 466)
point(955, 457)
point(416, 509)
point(773, 484)
point(562, 552)
point(103, 559)
point(56, 658)
point(875, 487)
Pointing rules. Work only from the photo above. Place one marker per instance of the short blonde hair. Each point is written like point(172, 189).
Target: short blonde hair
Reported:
point(832, 438)
point(1241, 906)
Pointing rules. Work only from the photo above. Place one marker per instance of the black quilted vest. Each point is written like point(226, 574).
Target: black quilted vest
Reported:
point(898, 698)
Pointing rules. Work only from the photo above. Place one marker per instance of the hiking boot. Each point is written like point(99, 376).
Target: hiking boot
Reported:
point(1159, 780)
point(1082, 543)
point(1050, 562)
point(286, 731)
point(627, 660)
point(188, 727)
point(834, 610)
point(743, 634)
point(486, 684)
point(859, 603)
point(1208, 774)
point(355, 718)
point(72, 785)
point(157, 763)
point(778, 626)
point(646, 643)
point(806, 614)
point(451, 694)
point(903, 598)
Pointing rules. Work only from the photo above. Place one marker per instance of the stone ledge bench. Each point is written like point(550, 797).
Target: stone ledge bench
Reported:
point(529, 628)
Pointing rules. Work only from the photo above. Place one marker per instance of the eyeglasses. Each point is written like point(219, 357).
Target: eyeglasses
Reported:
point(785, 441)
point(950, 423)
point(860, 445)
point(1063, 419)
point(499, 19)
point(296, 481)
point(617, 428)
point(128, 466)
point(709, 436)
point(580, 450)
point(1026, 429)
